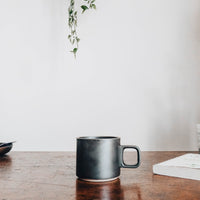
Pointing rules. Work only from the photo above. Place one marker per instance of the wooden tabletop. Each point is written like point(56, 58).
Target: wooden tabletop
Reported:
point(51, 175)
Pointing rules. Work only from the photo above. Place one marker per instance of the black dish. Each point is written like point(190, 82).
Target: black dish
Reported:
point(5, 148)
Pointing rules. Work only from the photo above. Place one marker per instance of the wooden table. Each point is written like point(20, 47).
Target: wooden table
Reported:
point(51, 175)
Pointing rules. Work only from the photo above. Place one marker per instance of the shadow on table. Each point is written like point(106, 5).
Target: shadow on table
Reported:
point(5, 161)
point(112, 190)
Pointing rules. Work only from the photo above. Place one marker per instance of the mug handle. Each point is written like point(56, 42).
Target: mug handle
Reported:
point(121, 156)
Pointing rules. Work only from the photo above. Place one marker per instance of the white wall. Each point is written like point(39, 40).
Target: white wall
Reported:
point(137, 74)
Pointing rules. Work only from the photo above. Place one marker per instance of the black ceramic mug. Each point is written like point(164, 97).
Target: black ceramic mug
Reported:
point(100, 158)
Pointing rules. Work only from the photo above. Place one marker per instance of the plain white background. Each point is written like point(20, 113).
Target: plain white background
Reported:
point(137, 74)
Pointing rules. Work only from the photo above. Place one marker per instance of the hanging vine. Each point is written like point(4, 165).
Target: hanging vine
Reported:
point(72, 22)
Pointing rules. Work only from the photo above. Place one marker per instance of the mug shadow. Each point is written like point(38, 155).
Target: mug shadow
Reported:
point(112, 190)
point(104, 190)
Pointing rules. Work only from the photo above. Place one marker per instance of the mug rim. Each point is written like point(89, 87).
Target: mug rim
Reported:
point(98, 138)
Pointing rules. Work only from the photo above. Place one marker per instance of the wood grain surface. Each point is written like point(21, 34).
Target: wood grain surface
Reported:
point(51, 175)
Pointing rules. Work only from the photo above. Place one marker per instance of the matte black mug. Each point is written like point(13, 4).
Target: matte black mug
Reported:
point(100, 158)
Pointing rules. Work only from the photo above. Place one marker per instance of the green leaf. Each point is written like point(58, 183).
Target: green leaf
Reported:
point(84, 7)
point(75, 50)
point(94, 6)
point(77, 39)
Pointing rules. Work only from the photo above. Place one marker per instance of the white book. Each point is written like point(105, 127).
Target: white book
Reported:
point(185, 166)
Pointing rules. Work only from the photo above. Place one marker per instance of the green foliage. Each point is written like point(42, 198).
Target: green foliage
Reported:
point(72, 21)
point(89, 4)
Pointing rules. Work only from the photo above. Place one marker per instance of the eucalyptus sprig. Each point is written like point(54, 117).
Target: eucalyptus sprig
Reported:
point(72, 22)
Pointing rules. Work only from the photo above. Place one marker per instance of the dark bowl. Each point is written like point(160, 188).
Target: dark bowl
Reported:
point(5, 148)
